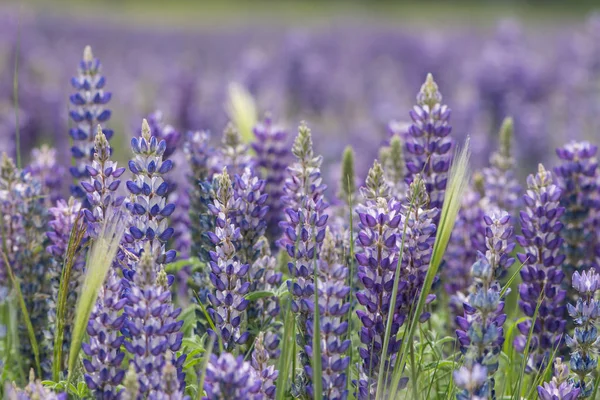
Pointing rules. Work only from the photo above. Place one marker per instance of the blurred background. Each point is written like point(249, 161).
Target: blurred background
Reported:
point(351, 69)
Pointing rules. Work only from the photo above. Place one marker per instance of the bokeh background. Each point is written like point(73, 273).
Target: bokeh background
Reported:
point(351, 69)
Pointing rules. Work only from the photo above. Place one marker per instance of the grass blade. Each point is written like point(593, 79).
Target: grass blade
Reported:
point(75, 239)
point(207, 353)
point(99, 261)
point(287, 353)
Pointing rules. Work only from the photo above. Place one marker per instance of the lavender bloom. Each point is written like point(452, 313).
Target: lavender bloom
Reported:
point(480, 331)
point(577, 179)
point(101, 189)
point(377, 257)
point(229, 378)
point(228, 275)
point(428, 144)
point(250, 214)
point(585, 341)
point(271, 159)
point(333, 307)
point(471, 379)
point(264, 276)
point(392, 160)
point(559, 388)
point(163, 131)
point(234, 153)
point(45, 168)
point(501, 187)
point(148, 203)
point(152, 324)
point(169, 386)
point(304, 226)
point(88, 110)
point(103, 368)
point(33, 391)
point(266, 373)
point(541, 242)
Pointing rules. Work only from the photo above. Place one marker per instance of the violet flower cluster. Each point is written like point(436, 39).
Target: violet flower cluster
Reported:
point(480, 331)
point(228, 377)
point(560, 387)
point(541, 240)
point(88, 111)
point(267, 374)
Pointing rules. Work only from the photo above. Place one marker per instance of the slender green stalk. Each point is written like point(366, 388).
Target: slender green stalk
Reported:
point(413, 370)
point(30, 331)
point(203, 367)
point(210, 323)
point(75, 239)
point(287, 353)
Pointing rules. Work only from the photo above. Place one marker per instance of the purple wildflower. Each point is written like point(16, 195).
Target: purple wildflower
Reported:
point(34, 390)
point(559, 388)
point(163, 131)
point(470, 379)
point(264, 276)
point(233, 153)
point(266, 373)
point(45, 168)
point(541, 273)
point(87, 111)
point(229, 378)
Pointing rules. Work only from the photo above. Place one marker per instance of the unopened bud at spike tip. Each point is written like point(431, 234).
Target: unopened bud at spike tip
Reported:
point(146, 133)
point(88, 56)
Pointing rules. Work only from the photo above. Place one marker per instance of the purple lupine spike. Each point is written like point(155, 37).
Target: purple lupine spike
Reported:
point(480, 333)
point(377, 257)
point(250, 214)
point(418, 244)
point(577, 178)
point(148, 204)
point(267, 374)
point(233, 152)
point(34, 390)
point(104, 363)
point(304, 226)
point(228, 275)
point(271, 159)
point(63, 215)
point(333, 308)
point(88, 110)
point(169, 386)
point(428, 143)
point(152, 323)
point(45, 168)
point(264, 276)
point(501, 187)
point(542, 258)
point(560, 387)
point(470, 378)
point(163, 131)
point(229, 378)
point(103, 184)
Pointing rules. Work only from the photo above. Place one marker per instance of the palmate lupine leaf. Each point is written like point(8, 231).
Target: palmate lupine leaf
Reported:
point(76, 237)
point(457, 183)
point(99, 261)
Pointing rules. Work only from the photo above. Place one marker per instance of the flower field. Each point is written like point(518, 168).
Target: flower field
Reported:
point(349, 212)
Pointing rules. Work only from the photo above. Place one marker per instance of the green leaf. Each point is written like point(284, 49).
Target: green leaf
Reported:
point(259, 295)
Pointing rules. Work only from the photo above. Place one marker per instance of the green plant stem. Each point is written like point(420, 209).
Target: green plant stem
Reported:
point(413, 372)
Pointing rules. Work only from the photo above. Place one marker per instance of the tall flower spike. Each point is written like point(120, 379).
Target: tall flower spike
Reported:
point(348, 178)
point(101, 189)
point(164, 131)
point(33, 391)
point(541, 274)
point(103, 367)
point(234, 153)
point(271, 159)
point(304, 227)
point(377, 257)
point(585, 342)
point(148, 191)
point(428, 144)
point(470, 379)
point(229, 378)
point(560, 387)
point(265, 372)
point(333, 307)
point(480, 333)
point(228, 275)
point(501, 187)
point(577, 178)
point(392, 160)
point(264, 276)
point(45, 168)
point(131, 384)
point(152, 324)
point(87, 111)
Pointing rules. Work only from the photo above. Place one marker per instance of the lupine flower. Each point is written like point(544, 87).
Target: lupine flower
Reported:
point(271, 160)
point(229, 378)
point(233, 152)
point(428, 145)
point(377, 257)
point(418, 244)
point(87, 111)
point(392, 160)
point(542, 259)
point(333, 307)
point(560, 387)
point(471, 379)
point(304, 226)
point(45, 168)
point(250, 214)
point(267, 374)
point(163, 131)
point(152, 324)
point(103, 367)
point(228, 275)
point(501, 187)
point(480, 333)
point(169, 386)
point(585, 342)
point(33, 391)
point(264, 276)
point(577, 178)
point(130, 384)
point(101, 189)
point(148, 197)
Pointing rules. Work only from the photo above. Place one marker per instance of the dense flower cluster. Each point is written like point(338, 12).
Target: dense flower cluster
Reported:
point(229, 378)
point(560, 387)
